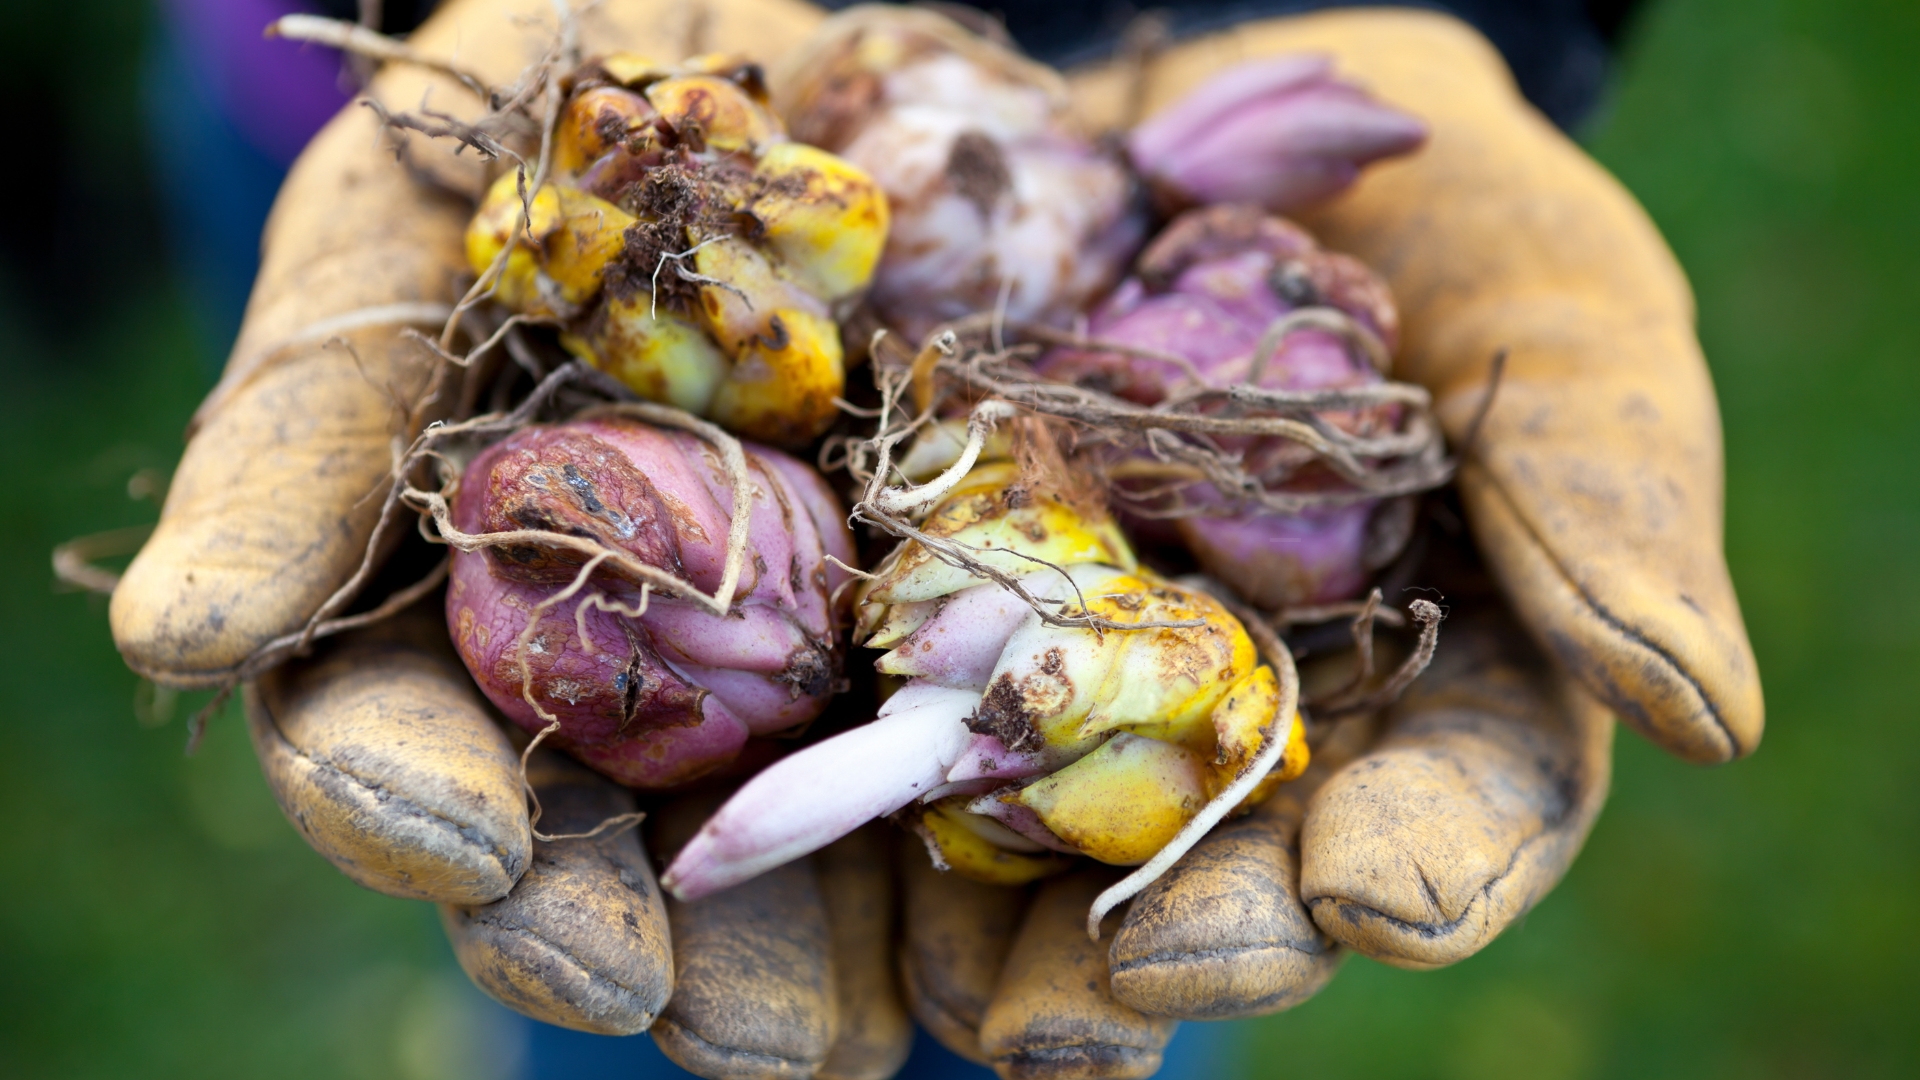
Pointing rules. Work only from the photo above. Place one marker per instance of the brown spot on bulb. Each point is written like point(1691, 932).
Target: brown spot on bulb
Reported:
point(977, 171)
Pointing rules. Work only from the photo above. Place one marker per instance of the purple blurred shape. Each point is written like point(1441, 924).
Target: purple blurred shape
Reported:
point(277, 93)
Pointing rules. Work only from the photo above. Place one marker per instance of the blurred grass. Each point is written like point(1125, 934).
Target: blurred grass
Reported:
point(161, 918)
point(1755, 920)
point(1750, 921)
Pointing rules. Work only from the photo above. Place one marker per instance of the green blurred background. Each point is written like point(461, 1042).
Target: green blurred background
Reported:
point(1756, 920)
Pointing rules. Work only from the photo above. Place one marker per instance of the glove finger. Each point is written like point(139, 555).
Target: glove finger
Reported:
point(954, 942)
point(1053, 1015)
point(856, 882)
point(581, 941)
point(754, 993)
point(384, 757)
point(1595, 486)
point(1491, 772)
point(1223, 934)
point(277, 494)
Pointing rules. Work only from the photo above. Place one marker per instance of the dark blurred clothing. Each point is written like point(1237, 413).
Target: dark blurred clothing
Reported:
point(273, 94)
point(227, 112)
point(1559, 49)
point(1197, 1052)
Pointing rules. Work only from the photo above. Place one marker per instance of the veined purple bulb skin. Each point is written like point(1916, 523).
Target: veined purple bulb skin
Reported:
point(1207, 290)
point(661, 698)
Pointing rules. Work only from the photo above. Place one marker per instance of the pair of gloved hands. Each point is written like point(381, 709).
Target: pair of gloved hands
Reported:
point(1593, 494)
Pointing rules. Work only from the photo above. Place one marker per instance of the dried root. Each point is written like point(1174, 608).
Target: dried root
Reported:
point(75, 563)
point(1185, 439)
point(356, 39)
point(889, 509)
point(1354, 700)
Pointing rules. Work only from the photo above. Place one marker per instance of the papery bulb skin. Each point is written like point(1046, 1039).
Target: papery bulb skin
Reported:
point(687, 247)
point(1208, 290)
point(658, 699)
point(996, 198)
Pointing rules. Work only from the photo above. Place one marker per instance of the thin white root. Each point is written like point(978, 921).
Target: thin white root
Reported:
point(525, 639)
point(900, 501)
point(533, 817)
point(613, 826)
point(653, 308)
point(1217, 808)
point(617, 822)
point(600, 601)
point(853, 570)
point(500, 334)
point(243, 368)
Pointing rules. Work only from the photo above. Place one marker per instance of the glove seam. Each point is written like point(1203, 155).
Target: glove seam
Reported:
point(1227, 953)
point(1626, 630)
point(414, 809)
point(1439, 930)
point(1637, 637)
point(917, 986)
point(466, 832)
point(923, 1003)
point(727, 1052)
point(493, 922)
point(1045, 1054)
point(176, 679)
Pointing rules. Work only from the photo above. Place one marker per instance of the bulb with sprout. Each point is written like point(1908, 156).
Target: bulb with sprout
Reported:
point(1093, 708)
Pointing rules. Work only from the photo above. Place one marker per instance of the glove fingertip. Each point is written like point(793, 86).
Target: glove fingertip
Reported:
point(1661, 643)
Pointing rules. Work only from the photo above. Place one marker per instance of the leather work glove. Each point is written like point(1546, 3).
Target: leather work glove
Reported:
point(377, 745)
point(1489, 754)
point(389, 762)
point(1593, 492)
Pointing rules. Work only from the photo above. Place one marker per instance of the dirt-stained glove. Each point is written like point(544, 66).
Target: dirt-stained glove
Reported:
point(1595, 488)
point(377, 745)
point(1491, 754)
point(382, 753)
point(788, 975)
point(582, 939)
point(1594, 494)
